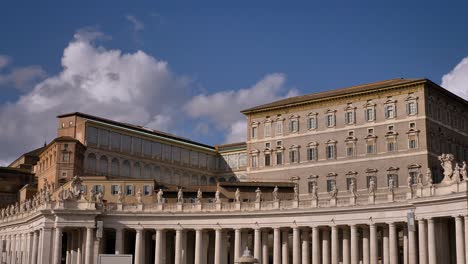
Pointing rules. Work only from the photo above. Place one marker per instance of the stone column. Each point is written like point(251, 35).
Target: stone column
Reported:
point(460, 240)
point(30, 247)
point(159, 247)
point(354, 245)
point(405, 245)
point(276, 245)
point(315, 245)
point(218, 246)
point(334, 244)
point(265, 255)
point(139, 246)
point(57, 245)
point(89, 245)
point(13, 249)
point(431, 241)
point(178, 247)
point(7, 250)
point(373, 244)
point(198, 246)
point(285, 247)
point(393, 243)
point(412, 251)
point(305, 247)
point(296, 245)
point(326, 246)
point(258, 244)
point(386, 255)
point(422, 242)
point(346, 256)
point(237, 243)
point(365, 245)
point(119, 241)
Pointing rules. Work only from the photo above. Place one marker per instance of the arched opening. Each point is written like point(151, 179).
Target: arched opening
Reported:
point(136, 170)
point(103, 165)
point(115, 167)
point(91, 162)
point(126, 168)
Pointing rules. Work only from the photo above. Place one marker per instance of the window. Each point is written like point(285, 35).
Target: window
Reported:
point(254, 132)
point(331, 183)
point(391, 146)
point(348, 183)
point(279, 127)
point(312, 153)
point(370, 114)
point(312, 122)
point(350, 150)
point(254, 161)
point(331, 151)
point(370, 178)
point(391, 128)
point(70, 123)
point(267, 132)
point(330, 120)
point(370, 147)
point(411, 108)
point(279, 158)
point(394, 178)
point(350, 133)
point(413, 144)
point(63, 125)
point(267, 159)
point(414, 176)
point(412, 125)
point(349, 117)
point(294, 156)
point(115, 189)
point(267, 145)
point(311, 185)
point(147, 190)
point(370, 131)
point(279, 143)
point(294, 126)
point(389, 111)
point(98, 189)
point(66, 156)
point(129, 189)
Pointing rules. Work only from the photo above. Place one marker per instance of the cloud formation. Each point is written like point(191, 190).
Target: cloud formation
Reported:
point(4, 61)
point(136, 23)
point(456, 80)
point(221, 109)
point(21, 78)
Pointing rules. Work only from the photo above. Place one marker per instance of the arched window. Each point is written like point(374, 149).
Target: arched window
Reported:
point(136, 170)
point(147, 172)
point(103, 165)
point(194, 180)
point(91, 161)
point(203, 180)
point(126, 168)
point(212, 181)
point(115, 167)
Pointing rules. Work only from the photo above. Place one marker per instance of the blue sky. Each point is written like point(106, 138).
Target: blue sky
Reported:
point(213, 50)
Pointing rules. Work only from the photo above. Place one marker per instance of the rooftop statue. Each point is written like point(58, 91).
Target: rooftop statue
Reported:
point(446, 163)
point(275, 194)
point(159, 196)
point(237, 195)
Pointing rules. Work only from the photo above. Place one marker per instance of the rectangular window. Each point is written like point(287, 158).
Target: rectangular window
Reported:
point(370, 147)
point(91, 135)
point(115, 141)
point(330, 185)
point(279, 158)
point(147, 190)
point(129, 189)
point(391, 128)
point(103, 137)
point(267, 129)
point(349, 117)
point(312, 153)
point(312, 123)
point(254, 132)
point(98, 189)
point(254, 161)
point(370, 114)
point(294, 126)
point(66, 156)
point(330, 120)
point(370, 131)
point(350, 150)
point(267, 145)
point(369, 180)
point(126, 143)
point(279, 127)
point(331, 151)
point(114, 189)
point(391, 147)
point(267, 160)
point(279, 143)
point(411, 108)
point(414, 177)
point(293, 156)
point(389, 111)
point(413, 143)
point(311, 185)
point(348, 183)
point(412, 125)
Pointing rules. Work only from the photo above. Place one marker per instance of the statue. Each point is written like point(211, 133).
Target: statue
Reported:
point(199, 195)
point(237, 195)
point(390, 185)
point(314, 191)
point(217, 199)
point(139, 197)
point(409, 181)
point(28, 205)
point(372, 186)
point(429, 176)
point(446, 163)
point(180, 196)
point(275, 194)
point(159, 196)
point(258, 195)
point(464, 171)
point(456, 173)
point(47, 196)
point(119, 195)
point(420, 178)
point(2, 213)
point(296, 193)
point(99, 197)
point(75, 189)
point(334, 192)
point(352, 187)
point(92, 196)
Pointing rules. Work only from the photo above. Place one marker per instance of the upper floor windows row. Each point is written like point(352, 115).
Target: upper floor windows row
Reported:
point(350, 115)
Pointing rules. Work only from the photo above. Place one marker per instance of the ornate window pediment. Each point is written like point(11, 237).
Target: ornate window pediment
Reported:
point(393, 168)
point(370, 136)
point(391, 134)
point(294, 146)
point(351, 173)
point(254, 123)
point(369, 104)
point(410, 97)
point(330, 111)
point(294, 117)
point(312, 177)
point(331, 141)
point(413, 131)
point(312, 144)
point(332, 174)
point(311, 114)
point(414, 166)
point(351, 139)
point(254, 151)
point(390, 100)
point(350, 107)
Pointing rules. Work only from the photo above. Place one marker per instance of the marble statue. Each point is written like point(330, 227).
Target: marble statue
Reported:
point(314, 191)
point(76, 187)
point(275, 194)
point(237, 195)
point(180, 196)
point(334, 191)
point(446, 163)
point(464, 171)
point(217, 198)
point(456, 173)
point(159, 196)
point(352, 187)
point(420, 178)
point(99, 197)
point(372, 186)
point(199, 195)
point(429, 176)
point(391, 184)
point(139, 197)
point(119, 195)
point(258, 195)
point(296, 193)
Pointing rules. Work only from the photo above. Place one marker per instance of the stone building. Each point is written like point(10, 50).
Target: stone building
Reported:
point(354, 175)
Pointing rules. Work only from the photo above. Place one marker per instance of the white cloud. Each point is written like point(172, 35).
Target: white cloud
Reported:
point(222, 108)
point(4, 61)
point(23, 78)
point(129, 87)
point(456, 80)
point(136, 23)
